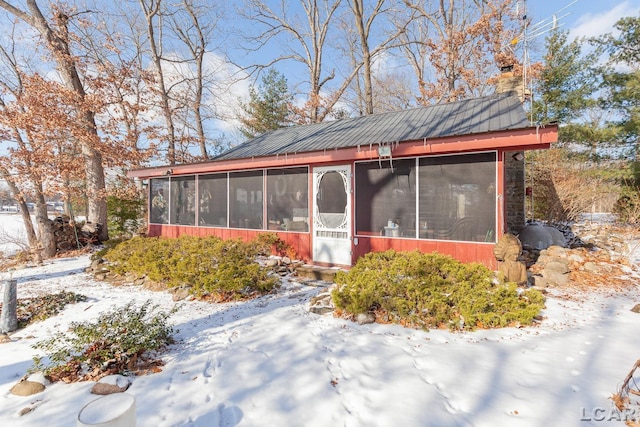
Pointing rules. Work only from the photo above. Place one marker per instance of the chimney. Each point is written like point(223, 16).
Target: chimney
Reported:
point(508, 82)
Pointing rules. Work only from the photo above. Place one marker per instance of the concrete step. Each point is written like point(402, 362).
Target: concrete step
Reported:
point(315, 272)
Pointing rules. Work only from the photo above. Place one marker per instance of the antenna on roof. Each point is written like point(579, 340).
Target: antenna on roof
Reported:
point(532, 31)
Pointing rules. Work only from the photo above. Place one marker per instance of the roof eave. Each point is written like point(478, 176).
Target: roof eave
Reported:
point(527, 138)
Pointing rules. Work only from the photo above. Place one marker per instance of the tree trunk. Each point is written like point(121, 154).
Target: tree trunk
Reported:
point(46, 234)
point(96, 202)
point(32, 239)
point(151, 11)
point(58, 44)
point(363, 33)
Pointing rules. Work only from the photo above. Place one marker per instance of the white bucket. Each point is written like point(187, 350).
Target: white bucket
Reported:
point(113, 410)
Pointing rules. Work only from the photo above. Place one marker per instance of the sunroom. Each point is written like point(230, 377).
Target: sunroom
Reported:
point(441, 178)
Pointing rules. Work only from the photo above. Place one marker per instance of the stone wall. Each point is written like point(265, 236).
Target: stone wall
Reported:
point(514, 192)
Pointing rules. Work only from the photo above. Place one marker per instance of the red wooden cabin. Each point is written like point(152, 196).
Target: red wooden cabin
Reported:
point(432, 178)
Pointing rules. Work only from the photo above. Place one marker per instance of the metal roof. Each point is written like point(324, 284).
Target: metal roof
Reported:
point(479, 115)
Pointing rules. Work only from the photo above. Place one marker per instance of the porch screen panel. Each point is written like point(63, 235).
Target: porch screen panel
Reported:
point(457, 199)
point(246, 199)
point(159, 201)
point(212, 200)
point(386, 198)
point(183, 200)
point(288, 199)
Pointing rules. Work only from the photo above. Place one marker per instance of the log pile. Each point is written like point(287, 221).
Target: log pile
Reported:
point(71, 235)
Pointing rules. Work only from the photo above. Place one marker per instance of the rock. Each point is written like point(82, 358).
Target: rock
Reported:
point(96, 262)
point(540, 282)
point(111, 384)
point(636, 308)
point(27, 388)
point(321, 303)
point(130, 277)
point(4, 338)
point(365, 318)
point(25, 411)
point(556, 266)
point(556, 251)
point(271, 262)
point(154, 286)
point(555, 278)
point(576, 257)
point(181, 293)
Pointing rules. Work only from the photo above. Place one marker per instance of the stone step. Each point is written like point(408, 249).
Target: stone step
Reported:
point(315, 272)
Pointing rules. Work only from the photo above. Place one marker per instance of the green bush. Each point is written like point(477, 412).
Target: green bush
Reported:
point(124, 215)
point(206, 264)
point(111, 344)
point(432, 291)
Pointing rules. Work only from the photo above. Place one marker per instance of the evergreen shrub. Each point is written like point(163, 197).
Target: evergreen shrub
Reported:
point(432, 291)
point(208, 265)
point(124, 215)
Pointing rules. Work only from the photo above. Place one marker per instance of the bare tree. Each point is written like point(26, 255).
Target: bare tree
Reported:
point(303, 39)
point(368, 44)
point(176, 39)
point(455, 46)
point(153, 13)
point(56, 37)
point(195, 32)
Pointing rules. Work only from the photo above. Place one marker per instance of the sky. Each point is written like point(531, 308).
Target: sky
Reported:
point(583, 18)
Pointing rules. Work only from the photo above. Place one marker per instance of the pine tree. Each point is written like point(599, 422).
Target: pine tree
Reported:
point(268, 107)
point(622, 81)
point(565, 92)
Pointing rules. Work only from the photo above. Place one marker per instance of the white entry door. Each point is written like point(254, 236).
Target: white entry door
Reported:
point(332, 214)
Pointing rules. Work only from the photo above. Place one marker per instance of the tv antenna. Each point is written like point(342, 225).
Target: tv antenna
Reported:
point(530, 32)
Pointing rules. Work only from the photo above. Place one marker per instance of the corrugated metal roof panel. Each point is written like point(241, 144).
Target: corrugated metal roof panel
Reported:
point(479, 115)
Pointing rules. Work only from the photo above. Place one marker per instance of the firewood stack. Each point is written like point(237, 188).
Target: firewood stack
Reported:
point(71, 235)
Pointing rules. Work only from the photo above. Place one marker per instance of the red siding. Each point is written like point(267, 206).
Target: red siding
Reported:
point(301, 242)
point(462, 251)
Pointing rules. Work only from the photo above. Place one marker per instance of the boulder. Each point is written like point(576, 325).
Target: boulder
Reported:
point(27, 388)
point(556, 266)
point(555, 278)
point(636, 308)
point(365, 318)
point(111, 384)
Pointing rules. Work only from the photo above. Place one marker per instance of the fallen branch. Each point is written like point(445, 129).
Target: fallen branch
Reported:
point(622, 400)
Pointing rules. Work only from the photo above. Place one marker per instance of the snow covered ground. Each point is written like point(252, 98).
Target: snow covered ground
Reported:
point(269, 362)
